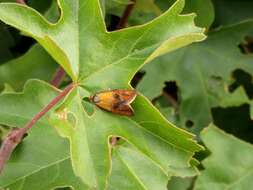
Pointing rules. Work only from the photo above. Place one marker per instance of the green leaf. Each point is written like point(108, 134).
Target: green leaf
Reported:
point(146, 10)
point(158, 141)
point(132, 170)
point(177, 183)
point(203, 73)
point(100, 60)
point(230, 164)
point(203, 8)
point(73, 53)
point(42, 154)
point(36, 63)
point(228, 12)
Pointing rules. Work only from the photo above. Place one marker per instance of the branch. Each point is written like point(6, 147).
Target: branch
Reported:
point(124, 19)
point(172, 100)
point(58, 77)
point(16, 135)
point(21, 2)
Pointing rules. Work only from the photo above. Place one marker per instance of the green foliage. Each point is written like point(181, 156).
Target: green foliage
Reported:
point(203, 73)
point(42, 154)
point(155, 143)
point(192, 87)
point(203, 8)
point(30, 65)
point(229, 166)
point(225, 11)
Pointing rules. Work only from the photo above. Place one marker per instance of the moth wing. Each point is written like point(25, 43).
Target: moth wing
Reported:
point(116, 101)
point(126, 95)
point(123, 109)
point(106, 100)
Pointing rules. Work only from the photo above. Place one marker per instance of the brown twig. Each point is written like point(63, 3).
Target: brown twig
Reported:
point(172, 100)
point(16, 135)
point(58, 77)
point(127, 12)
point(21, 2)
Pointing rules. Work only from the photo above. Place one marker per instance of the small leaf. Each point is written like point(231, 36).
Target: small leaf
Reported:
point(230, 164)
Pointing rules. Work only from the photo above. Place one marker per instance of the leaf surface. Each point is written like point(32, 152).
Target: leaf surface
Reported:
point(203, 73)
point(225, 11)
point(42, 154)
point(36, 63)
point(100, 60)
point(203, 8)
point(230, 164)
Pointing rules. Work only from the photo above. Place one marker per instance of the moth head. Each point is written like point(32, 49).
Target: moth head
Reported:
point(95, 99)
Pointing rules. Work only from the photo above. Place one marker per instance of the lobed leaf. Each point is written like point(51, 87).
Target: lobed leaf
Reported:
point(99, 60)
point(203, 73)
point(230, 164)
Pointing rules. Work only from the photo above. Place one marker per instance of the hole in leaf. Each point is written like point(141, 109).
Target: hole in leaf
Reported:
point(137, 78)
point(22, 45)
point(189, 124)
point(171, 89)
point(89, 107)
point(235, 120)
point(112, 22)
point(41, 6)
point(114, 140)
point(170, 94)
point(246, 47)
point(244, 79)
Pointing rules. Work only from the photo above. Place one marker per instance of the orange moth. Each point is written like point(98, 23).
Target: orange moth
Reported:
point(115, 101)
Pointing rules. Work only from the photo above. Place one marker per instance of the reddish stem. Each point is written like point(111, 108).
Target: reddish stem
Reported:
point(124, 19)
point(58, 77)
point(21, 2)
point(16, 135)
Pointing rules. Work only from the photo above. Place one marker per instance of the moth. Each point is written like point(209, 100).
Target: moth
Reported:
point(115, 101)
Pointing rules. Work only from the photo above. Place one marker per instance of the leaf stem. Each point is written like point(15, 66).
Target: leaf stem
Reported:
point(58, 77)
point(127, 12)
point(21, 2)
point(16, 135)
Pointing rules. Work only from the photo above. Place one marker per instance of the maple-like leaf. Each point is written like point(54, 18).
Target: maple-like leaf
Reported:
point(203, 73)
point(99, 60)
